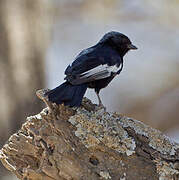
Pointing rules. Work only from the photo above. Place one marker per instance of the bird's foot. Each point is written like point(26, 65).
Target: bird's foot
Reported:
point(101, 106)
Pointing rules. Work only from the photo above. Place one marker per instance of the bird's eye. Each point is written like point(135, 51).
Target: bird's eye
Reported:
point(126, 41)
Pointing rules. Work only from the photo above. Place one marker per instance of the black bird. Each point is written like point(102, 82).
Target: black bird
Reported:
point(94, 67)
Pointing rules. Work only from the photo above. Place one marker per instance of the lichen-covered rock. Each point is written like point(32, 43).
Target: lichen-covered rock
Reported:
point(88, 143)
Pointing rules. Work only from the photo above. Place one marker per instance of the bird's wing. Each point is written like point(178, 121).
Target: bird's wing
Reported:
point(90, 70)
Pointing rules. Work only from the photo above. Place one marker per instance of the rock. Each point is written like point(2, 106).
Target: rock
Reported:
point(88, 143)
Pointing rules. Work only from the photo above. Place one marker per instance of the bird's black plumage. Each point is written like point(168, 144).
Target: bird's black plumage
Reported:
point(94, 67)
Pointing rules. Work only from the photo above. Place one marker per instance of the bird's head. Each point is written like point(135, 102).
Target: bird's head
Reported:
point(118, 41)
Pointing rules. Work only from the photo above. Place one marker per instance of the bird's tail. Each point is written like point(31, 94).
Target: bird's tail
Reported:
point(70, 95)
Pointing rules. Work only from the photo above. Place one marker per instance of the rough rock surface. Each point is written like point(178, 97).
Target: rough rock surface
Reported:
point(87, 143)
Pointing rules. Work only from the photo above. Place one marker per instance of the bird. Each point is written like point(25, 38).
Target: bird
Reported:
point(94, 67)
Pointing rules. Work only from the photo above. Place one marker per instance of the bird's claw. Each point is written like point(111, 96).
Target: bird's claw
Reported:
point(102, 106)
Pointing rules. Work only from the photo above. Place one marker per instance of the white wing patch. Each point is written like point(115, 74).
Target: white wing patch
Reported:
point(101, 71)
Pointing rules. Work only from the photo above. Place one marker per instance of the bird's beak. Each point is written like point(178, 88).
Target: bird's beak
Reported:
point(131, 46)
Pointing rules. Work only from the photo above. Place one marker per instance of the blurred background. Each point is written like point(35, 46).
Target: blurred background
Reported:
point(39, 38)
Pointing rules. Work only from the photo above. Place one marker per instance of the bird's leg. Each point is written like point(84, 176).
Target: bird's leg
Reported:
point(99, 100)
